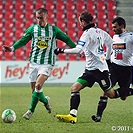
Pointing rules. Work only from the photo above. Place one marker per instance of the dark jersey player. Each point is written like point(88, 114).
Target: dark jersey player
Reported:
point(121, 66)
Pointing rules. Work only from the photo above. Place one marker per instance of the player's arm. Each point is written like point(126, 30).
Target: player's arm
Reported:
point(76, 50)
point(64, 37)
point(21, 42)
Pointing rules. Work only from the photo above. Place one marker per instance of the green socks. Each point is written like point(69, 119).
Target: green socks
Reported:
point(42, 98)
point(37, 96)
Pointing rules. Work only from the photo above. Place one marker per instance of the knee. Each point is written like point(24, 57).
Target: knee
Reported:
point(110, 94)
point(76, 87)
point(38, 86)
point(73, 88)
point(111, 97)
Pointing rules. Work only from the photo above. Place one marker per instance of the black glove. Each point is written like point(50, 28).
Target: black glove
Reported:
point(58, 50)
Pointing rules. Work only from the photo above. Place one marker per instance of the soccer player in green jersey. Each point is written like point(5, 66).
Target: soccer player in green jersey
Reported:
point(42, 57)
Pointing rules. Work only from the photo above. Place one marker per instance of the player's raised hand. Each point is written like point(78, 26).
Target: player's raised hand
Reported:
point(58, 50)
point(6, 48)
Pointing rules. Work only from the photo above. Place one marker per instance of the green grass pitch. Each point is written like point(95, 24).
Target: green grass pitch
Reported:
point(117, 116)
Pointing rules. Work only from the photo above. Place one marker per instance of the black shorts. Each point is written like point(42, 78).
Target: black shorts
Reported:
point(121, 75)
point(89, 77)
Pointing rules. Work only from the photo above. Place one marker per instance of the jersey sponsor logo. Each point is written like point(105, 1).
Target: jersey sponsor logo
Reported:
point(47, 38)
point(119, 46)
point(42, 45)
point(44, 38)
point(81, 43)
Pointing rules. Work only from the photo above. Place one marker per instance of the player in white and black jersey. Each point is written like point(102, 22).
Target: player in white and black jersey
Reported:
point(91, 43)
point(120, 65)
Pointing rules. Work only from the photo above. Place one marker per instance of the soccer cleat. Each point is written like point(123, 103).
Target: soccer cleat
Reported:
point(96, 118)
point(48, 106)
point(67, 118)
point(28, 115)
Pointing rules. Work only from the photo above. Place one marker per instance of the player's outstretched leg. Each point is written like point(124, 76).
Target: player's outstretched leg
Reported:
point(101, 107)
point(44, 99)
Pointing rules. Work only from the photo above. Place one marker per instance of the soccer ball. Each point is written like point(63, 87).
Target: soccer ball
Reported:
point(8, 116)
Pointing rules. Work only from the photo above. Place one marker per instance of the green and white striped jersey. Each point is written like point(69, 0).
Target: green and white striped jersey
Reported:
point(43, 42)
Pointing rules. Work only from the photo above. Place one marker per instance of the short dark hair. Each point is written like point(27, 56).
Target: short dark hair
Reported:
point(120, 21)
point(86, 16)
point(41, 10)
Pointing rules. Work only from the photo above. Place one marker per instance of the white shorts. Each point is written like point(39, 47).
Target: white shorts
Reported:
point(36, 69)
